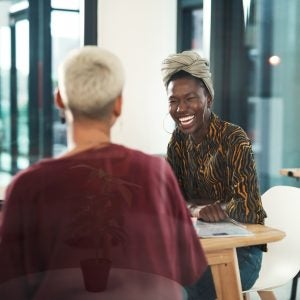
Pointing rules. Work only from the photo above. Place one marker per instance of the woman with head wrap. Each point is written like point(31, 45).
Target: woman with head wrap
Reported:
point(212, 158)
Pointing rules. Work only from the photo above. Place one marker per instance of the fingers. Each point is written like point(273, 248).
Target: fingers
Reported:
point(212, 213)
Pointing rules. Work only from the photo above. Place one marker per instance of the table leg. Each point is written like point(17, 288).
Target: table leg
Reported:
point(226, 274)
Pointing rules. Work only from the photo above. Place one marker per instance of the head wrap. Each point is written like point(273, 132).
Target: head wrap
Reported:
point(190, 62)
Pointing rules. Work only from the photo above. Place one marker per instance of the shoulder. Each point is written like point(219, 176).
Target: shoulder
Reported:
point(27, 180)
point(143, 160)
point(177, 143)
point(231, 133)
point(33, 171)
point(178, 137)
point(153, 172)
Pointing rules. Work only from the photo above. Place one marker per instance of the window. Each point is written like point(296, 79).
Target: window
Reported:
point(190, 25)
point(29, 125)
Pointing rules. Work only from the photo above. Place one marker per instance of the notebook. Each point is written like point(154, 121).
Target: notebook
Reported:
point(226, 228)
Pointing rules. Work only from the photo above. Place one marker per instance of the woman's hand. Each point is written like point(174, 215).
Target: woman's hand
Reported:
point(212, 213)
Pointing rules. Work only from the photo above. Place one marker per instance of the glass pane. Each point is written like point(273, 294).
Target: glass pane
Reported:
point(197, 30)
point(64, 39)
point(65, 4)
point(273, 98)
point(22, 65)
point(5, 159)
point(18, 5)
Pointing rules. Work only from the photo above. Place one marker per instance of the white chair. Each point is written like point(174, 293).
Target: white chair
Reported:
point(282, 261)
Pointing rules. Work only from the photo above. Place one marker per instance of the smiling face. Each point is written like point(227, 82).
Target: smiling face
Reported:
point(189, 106)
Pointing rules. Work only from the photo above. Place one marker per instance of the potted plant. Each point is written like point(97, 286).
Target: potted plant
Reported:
point(98, 224)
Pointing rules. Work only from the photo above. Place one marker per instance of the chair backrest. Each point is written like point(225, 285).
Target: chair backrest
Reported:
point(282, 261)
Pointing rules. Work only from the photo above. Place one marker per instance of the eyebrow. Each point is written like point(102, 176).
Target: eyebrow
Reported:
point(186, 95)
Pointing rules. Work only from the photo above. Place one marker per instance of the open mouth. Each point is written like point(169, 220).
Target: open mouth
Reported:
point(185, 121)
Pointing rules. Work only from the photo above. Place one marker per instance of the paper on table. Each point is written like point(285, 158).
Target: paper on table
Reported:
point(220, 229)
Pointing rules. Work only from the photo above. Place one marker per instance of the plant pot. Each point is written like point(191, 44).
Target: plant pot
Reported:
point(95, 273)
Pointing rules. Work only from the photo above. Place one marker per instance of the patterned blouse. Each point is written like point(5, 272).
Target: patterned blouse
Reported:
point(220, 168)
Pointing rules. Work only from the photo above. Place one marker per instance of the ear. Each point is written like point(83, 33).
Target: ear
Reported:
point(58, 100)
point(117, 109)
point(209, 101)
point(118, 106)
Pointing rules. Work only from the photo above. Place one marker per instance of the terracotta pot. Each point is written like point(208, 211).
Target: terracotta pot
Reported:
point(95, 274)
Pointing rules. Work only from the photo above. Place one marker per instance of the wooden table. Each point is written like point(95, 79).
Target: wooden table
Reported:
point(291, 172)
point(221, 256)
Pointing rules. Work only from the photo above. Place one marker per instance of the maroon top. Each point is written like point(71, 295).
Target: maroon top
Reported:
point(57, 211)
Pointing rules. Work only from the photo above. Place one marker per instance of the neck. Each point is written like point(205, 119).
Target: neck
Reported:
point(84, 135)
point(200, 134)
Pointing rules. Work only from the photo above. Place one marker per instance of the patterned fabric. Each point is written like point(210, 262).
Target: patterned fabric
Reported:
point(221, 168)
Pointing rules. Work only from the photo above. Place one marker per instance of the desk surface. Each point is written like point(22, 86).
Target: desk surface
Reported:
point(262, 235)
point(291, 172)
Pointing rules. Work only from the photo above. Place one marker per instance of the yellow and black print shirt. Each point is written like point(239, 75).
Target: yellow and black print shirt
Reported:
point(220, 168)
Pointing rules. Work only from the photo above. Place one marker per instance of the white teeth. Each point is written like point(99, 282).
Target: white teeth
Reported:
point(186, 120)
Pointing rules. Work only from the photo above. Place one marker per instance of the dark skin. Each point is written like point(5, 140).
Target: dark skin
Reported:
point(212, 213)
point(189, 106)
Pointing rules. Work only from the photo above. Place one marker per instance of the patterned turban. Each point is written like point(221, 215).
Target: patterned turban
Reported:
point(190, 62)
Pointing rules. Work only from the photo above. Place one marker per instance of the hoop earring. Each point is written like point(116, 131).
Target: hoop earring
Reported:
point(164, 127)
point(62, 116)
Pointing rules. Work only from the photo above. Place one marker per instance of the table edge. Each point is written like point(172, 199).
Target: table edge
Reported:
point(262, 235)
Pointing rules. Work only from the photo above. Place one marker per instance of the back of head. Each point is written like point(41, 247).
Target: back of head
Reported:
point(89, 79)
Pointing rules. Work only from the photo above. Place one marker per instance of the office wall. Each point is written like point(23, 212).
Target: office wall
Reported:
point(142, 34)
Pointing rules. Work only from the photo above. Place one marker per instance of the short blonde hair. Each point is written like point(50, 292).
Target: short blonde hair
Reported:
point(89, 79)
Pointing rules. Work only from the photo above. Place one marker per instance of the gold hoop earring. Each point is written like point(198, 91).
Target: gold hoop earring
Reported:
point(62, 116)
point(164, 127)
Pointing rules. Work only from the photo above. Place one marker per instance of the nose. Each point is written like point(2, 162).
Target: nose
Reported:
point(181, 106)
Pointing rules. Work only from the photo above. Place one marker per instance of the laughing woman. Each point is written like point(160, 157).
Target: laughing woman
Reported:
point(212, 158)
